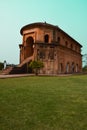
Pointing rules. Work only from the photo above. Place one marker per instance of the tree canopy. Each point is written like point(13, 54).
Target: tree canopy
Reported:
point(85, 68)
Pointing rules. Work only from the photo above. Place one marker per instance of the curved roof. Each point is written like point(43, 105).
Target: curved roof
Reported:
point(47, 25)
point(39, 24)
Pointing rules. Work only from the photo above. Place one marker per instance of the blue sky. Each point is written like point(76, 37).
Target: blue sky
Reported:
point(69, 15)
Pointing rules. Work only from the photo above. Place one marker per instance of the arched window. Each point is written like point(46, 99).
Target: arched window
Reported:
point(66, 43)
point(46, 38)
point(75, 48)
point(58, 39)
point(71, 46)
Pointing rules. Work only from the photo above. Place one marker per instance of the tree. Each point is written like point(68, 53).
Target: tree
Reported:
point(84, 59)
point(84, 68)
point(36, 66)
point(1, 65)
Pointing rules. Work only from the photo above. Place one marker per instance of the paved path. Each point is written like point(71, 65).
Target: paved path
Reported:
point(15, 76)
point(26, 75)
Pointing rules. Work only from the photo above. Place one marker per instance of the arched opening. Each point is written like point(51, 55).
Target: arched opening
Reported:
point(73, 67)
point(71, 46)
point(58, 39)
point(61, 68)
point(46, 38)
point(29, 46)
point(67, 68)
point(66, 43)
point(76, 68)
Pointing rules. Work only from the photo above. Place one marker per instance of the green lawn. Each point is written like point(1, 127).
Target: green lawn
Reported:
point(43, 103)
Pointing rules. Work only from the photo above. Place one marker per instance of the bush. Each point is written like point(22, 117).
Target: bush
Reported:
point(36, 65)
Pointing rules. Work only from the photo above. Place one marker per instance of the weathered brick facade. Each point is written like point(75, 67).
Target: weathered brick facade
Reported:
point(59, 52)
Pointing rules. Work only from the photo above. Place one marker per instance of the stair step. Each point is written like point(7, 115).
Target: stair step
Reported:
point(6, 71)
point(17, 70)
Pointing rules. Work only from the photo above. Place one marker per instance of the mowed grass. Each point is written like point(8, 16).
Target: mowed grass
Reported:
point(43, 103)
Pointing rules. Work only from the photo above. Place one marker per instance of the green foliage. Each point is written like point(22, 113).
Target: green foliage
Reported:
point(43, 103)
point(1, 65)
point(85, 68)
point(36, 65)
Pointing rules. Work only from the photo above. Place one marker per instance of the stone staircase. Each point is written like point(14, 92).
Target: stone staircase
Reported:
point(26, 61)
point(7, 70)
point(20, 69)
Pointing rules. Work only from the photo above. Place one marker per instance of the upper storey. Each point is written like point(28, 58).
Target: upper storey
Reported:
point(47, 33)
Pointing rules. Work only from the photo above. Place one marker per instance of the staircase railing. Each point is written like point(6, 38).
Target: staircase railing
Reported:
point(25, 61)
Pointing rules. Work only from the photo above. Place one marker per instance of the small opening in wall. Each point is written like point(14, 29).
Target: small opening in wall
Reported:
point(66, 43)
point(61, 67)
point(58, 39)
point(42, 55)
point(46, 38)
point(71, 46)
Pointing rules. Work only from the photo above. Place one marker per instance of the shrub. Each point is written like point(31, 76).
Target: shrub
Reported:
point(36, 65)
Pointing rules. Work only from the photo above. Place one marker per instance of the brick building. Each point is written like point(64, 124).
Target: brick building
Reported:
point(59, 52)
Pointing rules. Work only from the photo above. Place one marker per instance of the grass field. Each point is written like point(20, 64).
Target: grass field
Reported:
point(43, 103)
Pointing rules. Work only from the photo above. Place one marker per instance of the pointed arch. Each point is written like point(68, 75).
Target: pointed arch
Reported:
point(67, 67)
point(61, 67)
point(29, 46)
point(73, 67)
point(76, 68)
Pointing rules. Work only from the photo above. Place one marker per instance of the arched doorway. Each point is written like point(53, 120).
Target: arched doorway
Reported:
point(67, 67)
point(61, 68)
point(29, 46)
point(73, 67)
point(76, 68)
